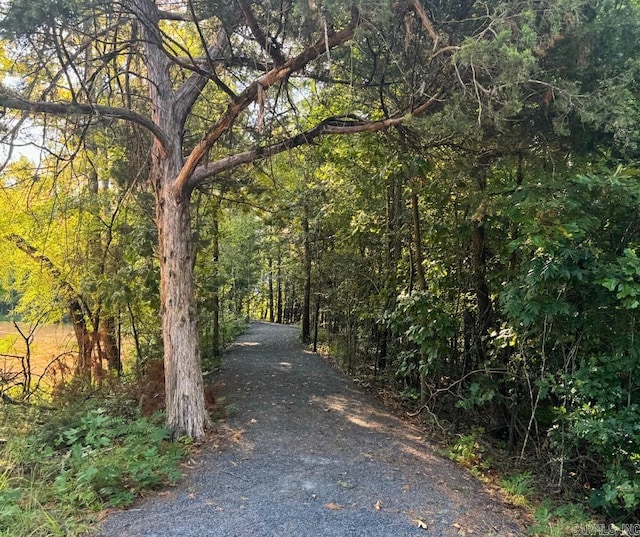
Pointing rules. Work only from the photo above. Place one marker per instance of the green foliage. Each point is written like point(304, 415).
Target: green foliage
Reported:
point(468, 451)
point(23, 18)
point(517, 488)
point(624, 278)
point(602, 421)
point(78, 461)
point(476, 395)
point(553, 521)
point(572, 309)
point(421, 320)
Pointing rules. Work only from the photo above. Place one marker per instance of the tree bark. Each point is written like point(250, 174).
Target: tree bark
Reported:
point(184, 386)
point(216, 283)
point(279, 289)
point(186, 412)
point(306, 305)
point(271, 300)
point(316, 322)
point(479, 261)
point(421, 284)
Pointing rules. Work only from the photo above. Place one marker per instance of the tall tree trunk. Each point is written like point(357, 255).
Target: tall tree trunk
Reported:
point(479, 262)
point(421, 284)
point(279, 288)
point(271, 301)
point(393, 247)
point(316, 322)
point(184, 387)
point(215, 343)
point(306, 305)
point(186, 412)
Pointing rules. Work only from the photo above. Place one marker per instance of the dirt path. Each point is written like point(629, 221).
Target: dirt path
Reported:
point(311, 455)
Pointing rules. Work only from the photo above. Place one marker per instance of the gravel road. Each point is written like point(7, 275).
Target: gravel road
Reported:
point(310, 454)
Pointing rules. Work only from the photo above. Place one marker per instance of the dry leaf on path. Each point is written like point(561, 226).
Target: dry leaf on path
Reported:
point(378, 505)
point(334, 506)
point(421, 524)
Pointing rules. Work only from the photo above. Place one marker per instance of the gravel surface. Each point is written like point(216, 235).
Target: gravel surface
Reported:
point(310, 454)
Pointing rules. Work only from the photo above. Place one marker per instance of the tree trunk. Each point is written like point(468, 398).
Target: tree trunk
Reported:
point(186, 412)
point(306, 306)
point(479, 261)
point(271, 301)
point(215, 343)
point(316, 322)
point(279, 289)
point(421, 284)
point(110, 346)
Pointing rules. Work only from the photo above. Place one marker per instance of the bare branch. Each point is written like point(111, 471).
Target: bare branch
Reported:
point(186, 96)
point(172, 16)
point(426, 23)
point(96, 110)
point(250, 95)
point(333, 125)
point(270, 46)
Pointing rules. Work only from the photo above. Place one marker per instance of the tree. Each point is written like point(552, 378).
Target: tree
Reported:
point(87, 63)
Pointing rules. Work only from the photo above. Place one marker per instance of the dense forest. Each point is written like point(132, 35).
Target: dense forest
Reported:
point(444, 195)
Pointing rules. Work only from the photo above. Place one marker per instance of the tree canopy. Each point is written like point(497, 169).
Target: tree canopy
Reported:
point(446, 189)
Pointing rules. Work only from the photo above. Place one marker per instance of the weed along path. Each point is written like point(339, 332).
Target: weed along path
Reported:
point(309, 454)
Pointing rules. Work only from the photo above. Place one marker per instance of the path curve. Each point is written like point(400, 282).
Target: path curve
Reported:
point(312, 455)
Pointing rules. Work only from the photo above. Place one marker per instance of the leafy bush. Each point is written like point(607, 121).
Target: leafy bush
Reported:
point(602, 422)
point(572, 310)
point(52, 478)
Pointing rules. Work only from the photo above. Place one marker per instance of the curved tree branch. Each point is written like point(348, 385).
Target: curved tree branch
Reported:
point(333, 125)
point(70, 108)
point(251, 93)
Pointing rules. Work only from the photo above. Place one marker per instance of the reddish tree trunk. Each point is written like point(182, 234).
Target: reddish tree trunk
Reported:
point(186, 412)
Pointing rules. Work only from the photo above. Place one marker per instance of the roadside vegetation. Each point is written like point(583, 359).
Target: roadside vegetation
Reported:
point(443, 194)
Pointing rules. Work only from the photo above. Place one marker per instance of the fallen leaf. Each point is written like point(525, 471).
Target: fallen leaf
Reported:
point(254, 421)
point(334, 506)
point(378, 505)
point(344, 484)
point(421, 524)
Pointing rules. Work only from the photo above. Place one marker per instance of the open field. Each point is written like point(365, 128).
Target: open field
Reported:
point(49, 342)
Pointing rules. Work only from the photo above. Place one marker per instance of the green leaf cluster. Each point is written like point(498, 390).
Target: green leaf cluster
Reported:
point(76, 462)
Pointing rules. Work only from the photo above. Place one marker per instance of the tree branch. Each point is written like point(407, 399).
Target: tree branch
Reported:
point(188, 93)
point(70, 108)
point(333, 125)
point(250, 95)
point(270, 46)
point(426, 22)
